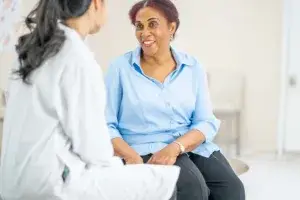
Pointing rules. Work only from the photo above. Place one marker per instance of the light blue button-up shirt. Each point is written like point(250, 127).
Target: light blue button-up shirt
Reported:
point(149, 114)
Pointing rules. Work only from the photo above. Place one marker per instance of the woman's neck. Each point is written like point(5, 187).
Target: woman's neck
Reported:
point(79, 25)
point(158, 59)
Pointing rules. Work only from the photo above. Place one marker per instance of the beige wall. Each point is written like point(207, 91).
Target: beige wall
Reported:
point(239, 35)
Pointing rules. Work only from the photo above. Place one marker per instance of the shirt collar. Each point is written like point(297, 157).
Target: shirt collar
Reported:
point(180, 58)
point(136, 57)
point(70, 32)
point(75, 36)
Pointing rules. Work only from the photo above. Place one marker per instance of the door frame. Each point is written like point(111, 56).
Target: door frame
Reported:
point(284, 75)
point(281, 133)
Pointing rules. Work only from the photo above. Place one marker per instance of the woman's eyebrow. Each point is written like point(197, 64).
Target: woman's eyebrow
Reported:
point(153, 18)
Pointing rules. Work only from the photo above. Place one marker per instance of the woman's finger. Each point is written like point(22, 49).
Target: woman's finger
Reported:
point(150, 161)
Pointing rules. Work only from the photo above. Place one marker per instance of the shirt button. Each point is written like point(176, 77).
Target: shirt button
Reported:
point(168, 104)
point(176, 134)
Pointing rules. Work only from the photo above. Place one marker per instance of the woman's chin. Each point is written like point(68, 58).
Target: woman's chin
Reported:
point(149, 51)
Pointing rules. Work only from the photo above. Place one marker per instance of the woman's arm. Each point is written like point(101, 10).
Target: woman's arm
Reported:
point(114, 98)
point(123, 150)
point(205, 125)
point(191, 140)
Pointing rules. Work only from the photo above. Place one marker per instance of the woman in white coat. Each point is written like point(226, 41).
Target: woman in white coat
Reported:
point(56, 144)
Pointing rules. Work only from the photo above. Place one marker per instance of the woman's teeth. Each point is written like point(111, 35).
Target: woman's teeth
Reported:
point(148, 43)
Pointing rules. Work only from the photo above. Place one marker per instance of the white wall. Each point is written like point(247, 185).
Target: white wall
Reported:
point(239, 35)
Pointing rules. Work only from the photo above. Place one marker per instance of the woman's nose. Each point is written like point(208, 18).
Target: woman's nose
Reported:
point(145, 33)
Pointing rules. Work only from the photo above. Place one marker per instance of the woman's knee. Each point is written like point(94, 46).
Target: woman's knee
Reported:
point(192, 187)
point(191, 184)
point(236, 189)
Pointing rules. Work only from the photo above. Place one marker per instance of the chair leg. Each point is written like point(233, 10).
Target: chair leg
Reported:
point(238, 134)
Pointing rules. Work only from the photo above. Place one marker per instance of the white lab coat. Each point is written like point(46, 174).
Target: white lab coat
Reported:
point(59, 121)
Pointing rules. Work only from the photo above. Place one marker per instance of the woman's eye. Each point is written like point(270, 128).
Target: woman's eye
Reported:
point(153, 24)
point(138, 26)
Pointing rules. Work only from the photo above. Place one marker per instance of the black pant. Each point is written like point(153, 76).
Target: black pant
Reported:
point(206, 178)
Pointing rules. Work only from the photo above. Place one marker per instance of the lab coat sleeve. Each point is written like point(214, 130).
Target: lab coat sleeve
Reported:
point(83, 112)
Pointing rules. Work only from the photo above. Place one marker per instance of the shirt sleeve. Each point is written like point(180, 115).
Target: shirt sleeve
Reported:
point(82, 113)
point(114, 97)
point(203, 118)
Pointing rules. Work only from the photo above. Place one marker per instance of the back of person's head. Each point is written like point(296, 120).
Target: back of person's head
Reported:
point(45, 39)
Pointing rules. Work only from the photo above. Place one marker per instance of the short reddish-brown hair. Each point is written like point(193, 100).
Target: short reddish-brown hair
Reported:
point(166, 7)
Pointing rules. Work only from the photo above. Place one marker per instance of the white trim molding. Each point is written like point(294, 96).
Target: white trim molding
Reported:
point(283, 76)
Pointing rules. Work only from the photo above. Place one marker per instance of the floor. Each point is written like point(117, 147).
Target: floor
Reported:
point(272, 178)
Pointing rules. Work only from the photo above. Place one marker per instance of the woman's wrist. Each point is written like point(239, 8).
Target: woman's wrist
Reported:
point(181, 146)
point(123, 150)
point(175, 149)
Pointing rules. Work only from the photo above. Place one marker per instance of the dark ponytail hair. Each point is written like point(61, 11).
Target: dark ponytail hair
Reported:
point(45, 39)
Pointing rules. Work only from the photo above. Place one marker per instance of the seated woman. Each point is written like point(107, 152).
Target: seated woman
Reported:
point(159, 110)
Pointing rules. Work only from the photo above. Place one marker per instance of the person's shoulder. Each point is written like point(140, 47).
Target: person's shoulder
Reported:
point(75, 51)
point(188, 59)
point(76, 59)
point(74, 48)
point(123, 61)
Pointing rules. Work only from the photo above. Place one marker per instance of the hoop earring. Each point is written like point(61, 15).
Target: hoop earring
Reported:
point(172, 38)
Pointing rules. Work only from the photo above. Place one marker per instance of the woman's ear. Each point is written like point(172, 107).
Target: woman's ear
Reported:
point(97, 4)
point(172, 28)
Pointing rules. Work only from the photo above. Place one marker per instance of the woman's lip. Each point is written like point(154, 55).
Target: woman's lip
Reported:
point(148, 43)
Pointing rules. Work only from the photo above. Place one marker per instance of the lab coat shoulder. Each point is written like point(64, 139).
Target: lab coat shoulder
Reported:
point(74, 51)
